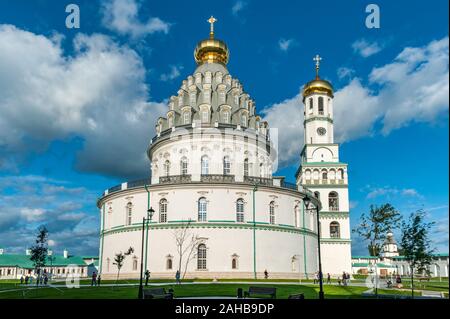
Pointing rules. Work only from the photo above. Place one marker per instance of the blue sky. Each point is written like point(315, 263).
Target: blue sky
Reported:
point(78, 106)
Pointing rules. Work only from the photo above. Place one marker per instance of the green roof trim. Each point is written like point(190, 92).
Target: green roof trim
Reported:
point(364, 257)
point(360, 264)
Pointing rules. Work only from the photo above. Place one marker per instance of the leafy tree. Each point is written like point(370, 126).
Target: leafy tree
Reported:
point(416, 244)
point(39, 251)
point(119, 260)
point(374, 226)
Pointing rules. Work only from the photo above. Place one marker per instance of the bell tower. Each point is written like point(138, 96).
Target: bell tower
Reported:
point(322, 172)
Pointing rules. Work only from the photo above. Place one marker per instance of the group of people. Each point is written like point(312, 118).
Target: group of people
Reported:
point(344, 280)
point(41, 280)
point(96, 279)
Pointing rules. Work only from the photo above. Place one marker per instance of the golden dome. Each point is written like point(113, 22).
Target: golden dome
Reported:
point(318, 85)
point(211, 50)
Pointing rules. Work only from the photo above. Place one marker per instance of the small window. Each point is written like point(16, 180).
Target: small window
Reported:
point(335, 230)
point(240, 210)
point(205, 165)
point(244, 121)
point(226, 165)
point(234, 262)
point(311, 104)
point(201, 257)
point(226, 117)
point(320, 105)
point(202, 209)
point(246, 167)
point(163, 211)
point(129, 210)
point(272, 213)
point(135, 264)
point(167, 168)
point(184, 166)
point(296, 223)
point(169, 263)
point(333, 201)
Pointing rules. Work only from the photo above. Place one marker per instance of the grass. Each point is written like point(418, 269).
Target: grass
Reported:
point(184, 290)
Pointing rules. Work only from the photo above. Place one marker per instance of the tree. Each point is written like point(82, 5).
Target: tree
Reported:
point(186, 243)
point(416, 244)
point(39, 251)
point(374, 226)
point(119, 260)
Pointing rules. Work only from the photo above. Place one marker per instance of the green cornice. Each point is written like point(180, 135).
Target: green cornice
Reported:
point(334, 214)
point(323, 164)
point(335, 240)
point(235, 225)
point(318, 118)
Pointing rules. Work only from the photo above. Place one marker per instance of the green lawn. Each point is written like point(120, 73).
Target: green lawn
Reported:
point(184, 290)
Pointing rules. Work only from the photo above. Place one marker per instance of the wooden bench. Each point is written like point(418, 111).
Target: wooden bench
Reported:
point(261, 291)
point(157, 293)
point(296, 296)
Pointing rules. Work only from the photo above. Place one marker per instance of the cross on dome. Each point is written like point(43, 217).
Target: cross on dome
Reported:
point(317, 59)
point(212, 20)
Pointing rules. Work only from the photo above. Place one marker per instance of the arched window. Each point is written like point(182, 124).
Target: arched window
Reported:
point(163, 211)
point(226, 165)
point(205, 116)
point(272, 212)
point(135, 263)
point(167, 168)
point(294, 263)
point(169, 263)
point(296, 223)
point(335, 231)
point(184, 166)
point(201, 257)
point(129, 211)
point(316, 174)
point(261, 170)
point(311, 103)
point(205, 165)
point(244, 120)
point(324, 175)
point(170, 121)
point(226, 117)
point(333, 201)
point(202, 209)
point(240, 210)
point(186, 118)
point(246, 167)
point(234, 262)
point(340, 174)
point(320, 105)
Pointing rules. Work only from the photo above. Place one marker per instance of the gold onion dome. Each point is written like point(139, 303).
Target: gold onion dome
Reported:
point(318, 85)
point(211, 50)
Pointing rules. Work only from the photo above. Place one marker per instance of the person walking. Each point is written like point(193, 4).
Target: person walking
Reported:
point(339, 281)
point(26, 280)
point(344, 278)
point(21, 280)
point(94, 279)
point(328, 279)
point(147, 276)
point(266, 274)
point(177, 277)
point(99, 279)
point(45, 279)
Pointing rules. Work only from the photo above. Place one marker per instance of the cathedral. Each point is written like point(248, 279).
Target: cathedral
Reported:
point(211, 206)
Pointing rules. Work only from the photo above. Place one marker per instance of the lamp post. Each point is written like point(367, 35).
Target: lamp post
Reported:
point(307, 201)
point(255, 188)
point(145, 221)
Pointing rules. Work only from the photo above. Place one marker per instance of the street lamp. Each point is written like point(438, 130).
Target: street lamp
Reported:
point(145, 221)
point(307, 201)
point(255, 188)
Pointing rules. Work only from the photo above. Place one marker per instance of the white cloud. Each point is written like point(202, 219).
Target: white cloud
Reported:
point(237, 7)
point(392, 191)
point(172, 74)
point(412, 88)
point(286, 44)
point(365, 48)
point(98, 93)
point(122, 16)
point(345, 72)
